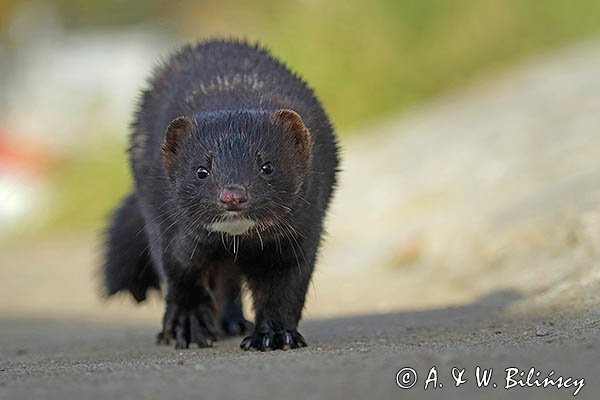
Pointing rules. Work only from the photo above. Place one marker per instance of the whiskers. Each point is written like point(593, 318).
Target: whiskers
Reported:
point(282, 227)
point(190, 227)
point(262, 245)
point(231, 243)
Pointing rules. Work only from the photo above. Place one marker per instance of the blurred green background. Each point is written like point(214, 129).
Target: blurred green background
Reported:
point(71, 71)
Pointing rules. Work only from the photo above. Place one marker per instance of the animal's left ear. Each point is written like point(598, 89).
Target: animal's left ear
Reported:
point(296, 131)
point(176, 132)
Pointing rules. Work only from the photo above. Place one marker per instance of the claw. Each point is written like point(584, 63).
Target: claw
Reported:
point(188, 326)
point(298, 339)
point(266, 343)
point(247, 343)
point(196, 333)
point(284, 339)
point(163, 338)
point(181, 341)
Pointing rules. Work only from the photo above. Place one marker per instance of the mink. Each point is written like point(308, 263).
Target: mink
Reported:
point(234, 163)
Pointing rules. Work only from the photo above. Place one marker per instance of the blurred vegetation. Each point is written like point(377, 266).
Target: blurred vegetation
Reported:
point(89, 186)
point(365, 58)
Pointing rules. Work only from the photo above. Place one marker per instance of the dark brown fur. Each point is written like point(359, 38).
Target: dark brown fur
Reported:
point(225, 117)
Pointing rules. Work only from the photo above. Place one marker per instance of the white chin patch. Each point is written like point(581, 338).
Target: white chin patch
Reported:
point(233, 227)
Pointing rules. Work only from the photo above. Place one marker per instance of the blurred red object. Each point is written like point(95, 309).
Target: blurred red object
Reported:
point(23, 156)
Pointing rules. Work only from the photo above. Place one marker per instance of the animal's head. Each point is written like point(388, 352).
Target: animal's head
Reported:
point(236, 171)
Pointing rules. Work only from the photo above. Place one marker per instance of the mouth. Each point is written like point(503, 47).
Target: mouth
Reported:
point(232, 216)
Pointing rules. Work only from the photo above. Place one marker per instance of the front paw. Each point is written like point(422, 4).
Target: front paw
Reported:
point(187, 326)
point(273, 340)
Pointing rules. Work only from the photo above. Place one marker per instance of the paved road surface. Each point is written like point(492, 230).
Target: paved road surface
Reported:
point(354, 357)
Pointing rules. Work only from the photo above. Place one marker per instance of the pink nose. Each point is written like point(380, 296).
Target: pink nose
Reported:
point(233, 198)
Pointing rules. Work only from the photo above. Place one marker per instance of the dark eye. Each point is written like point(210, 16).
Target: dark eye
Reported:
point(267, 168)
point(202, 172)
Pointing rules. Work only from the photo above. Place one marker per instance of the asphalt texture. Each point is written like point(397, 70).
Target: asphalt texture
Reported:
point(355, 357)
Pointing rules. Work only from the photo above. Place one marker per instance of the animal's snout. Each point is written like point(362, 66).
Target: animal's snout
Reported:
point(233, 198)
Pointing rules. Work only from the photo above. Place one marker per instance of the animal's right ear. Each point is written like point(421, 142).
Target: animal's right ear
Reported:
point(176, 132)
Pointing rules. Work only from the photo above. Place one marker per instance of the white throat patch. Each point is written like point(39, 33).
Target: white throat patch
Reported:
point(234, 227)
